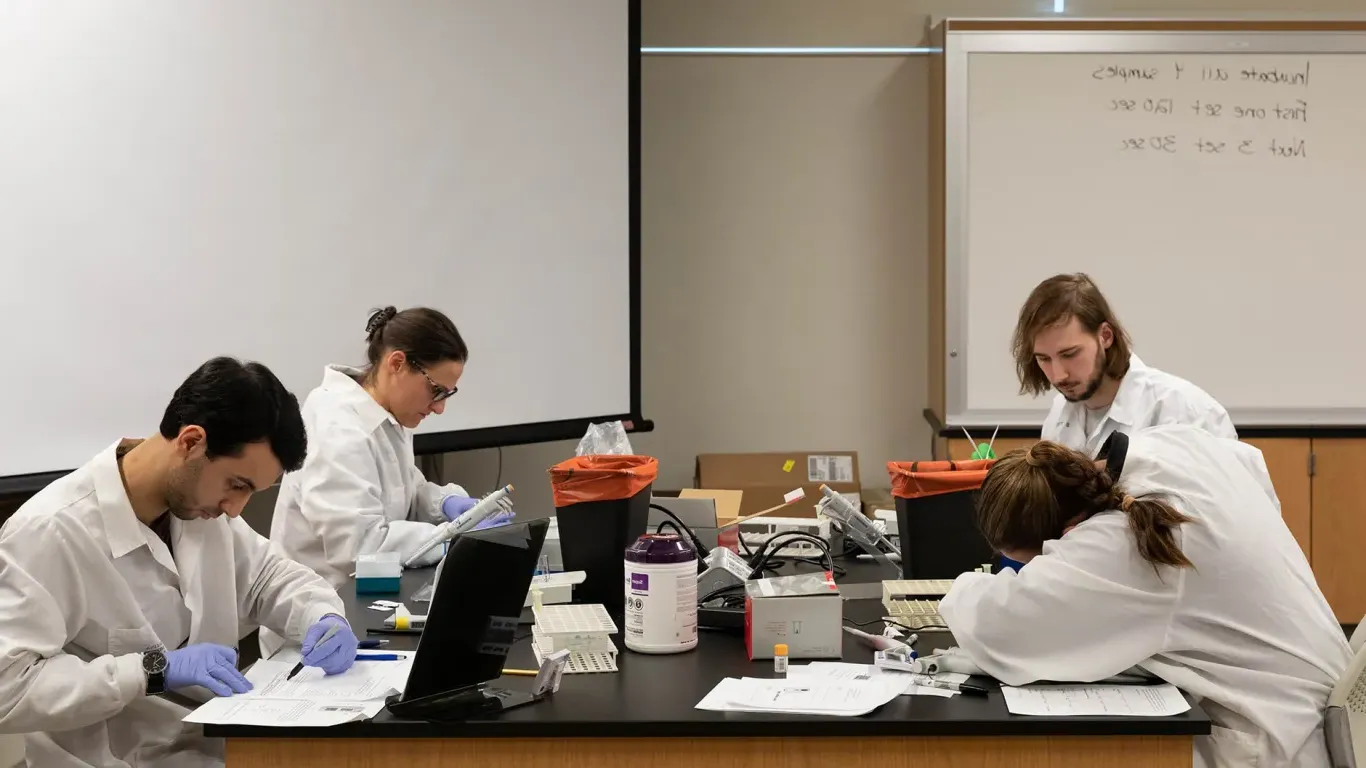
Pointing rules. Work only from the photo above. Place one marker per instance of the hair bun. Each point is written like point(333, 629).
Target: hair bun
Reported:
point(377, 320)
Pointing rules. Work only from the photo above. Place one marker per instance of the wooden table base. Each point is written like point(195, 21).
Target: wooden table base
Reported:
point(917, 752)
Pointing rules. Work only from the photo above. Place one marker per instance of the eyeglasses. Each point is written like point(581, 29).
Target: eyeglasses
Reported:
point(439, 392)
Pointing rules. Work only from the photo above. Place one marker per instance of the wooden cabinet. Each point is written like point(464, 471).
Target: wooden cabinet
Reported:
point(1338, 524)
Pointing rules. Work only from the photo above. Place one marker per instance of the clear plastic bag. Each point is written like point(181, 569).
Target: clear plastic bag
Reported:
point(604, 439)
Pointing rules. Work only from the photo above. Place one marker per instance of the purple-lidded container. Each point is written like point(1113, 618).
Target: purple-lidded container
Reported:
point(661, 594)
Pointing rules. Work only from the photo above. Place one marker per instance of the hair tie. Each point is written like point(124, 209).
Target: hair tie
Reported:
point(1126, 503)
point(378, 319)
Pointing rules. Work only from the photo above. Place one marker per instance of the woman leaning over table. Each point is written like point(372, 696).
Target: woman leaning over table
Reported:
point(1176, 562)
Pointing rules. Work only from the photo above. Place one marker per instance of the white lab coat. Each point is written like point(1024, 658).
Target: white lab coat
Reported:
point(1246, 633)
point(360, 490)
point(85, 588)
point(1146, 398)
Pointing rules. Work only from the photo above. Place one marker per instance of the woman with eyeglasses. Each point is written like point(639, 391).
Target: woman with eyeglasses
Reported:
point(360, 490)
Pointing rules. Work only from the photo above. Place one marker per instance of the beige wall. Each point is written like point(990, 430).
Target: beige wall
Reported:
point(784, 232)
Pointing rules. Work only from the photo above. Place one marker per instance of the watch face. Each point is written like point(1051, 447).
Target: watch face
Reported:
point(154, 662)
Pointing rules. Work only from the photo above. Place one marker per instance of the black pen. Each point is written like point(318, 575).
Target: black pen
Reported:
point(393, 631)
point(968, 688)
point(332, 630)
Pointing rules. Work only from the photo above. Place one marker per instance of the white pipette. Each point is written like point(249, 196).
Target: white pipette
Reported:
point(492, 504)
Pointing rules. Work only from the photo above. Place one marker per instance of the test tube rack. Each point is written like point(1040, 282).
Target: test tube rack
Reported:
point(583, 630)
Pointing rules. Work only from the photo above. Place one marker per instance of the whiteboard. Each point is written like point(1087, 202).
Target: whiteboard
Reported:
point(1214, 186)
point(181, 179)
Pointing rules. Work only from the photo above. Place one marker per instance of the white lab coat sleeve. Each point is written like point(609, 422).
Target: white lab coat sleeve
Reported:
point(43, 603)
point(341, 497)
point(427, 501)
point(276, 592)
point(1067, 616)
point(1252, 458)
point(1212, 418)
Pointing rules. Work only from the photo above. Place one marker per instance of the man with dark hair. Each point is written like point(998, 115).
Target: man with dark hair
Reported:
point(1068, 338)
point(126, 586)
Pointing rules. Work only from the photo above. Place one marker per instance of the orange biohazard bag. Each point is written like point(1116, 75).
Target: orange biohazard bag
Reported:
point(936, 517)
point(601, 478)
point(916, 479)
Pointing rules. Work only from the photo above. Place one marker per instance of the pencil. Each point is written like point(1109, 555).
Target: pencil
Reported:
point(521, 672)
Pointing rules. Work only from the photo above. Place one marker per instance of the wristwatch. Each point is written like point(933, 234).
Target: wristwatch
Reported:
point(154, 664)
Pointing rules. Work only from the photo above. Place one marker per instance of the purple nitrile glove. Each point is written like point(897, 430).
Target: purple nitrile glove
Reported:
point(330, 645)
point(455, 506)
point(495, 520)
point(206, 664)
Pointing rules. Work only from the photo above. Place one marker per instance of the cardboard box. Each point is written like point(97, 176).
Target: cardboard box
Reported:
point(804, 611)
point(727, 502)
point(875, 499)
point(764, 478)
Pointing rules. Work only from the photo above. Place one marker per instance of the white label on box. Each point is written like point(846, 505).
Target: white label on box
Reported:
point(830, 469)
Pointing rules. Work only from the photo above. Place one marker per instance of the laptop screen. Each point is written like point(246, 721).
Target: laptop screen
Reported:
point(478, 600)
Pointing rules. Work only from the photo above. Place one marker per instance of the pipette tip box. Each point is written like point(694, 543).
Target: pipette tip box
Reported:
point(378, 574)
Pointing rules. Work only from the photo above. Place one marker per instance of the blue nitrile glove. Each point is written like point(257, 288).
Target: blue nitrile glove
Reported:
point(455, 506)
point(206, 664)
point(330, 645)
point(495, 520)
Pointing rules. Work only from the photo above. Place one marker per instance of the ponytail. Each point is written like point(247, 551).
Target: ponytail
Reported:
point(1154, 524)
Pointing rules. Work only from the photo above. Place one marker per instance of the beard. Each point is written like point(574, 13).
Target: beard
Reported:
point(180, 496)
point(1093, 383)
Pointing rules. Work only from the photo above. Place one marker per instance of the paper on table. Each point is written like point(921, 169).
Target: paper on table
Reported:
point(839, 670)
point(249, 710)
point(311, 698)
point(809, 696)
point(365, 680)
point(1096, 700)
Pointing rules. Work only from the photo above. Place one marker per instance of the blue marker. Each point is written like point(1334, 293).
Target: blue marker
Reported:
point(379, 657)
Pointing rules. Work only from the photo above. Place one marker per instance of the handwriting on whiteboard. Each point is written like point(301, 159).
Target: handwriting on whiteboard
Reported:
point(1250, 74)
point(1168, 123)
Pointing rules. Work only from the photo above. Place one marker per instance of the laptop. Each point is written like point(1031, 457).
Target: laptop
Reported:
point(472, 624)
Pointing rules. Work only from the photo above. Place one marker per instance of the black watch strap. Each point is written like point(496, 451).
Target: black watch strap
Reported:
point(154, 665)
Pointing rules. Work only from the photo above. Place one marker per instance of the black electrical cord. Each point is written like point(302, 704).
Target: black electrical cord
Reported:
point(684, 530)
point(851, 547)
point(895, 624)
point(668, 524)
point(744, 545)
point(773, 564)
point(761, 559)
point(718, 592)
point(768, 552)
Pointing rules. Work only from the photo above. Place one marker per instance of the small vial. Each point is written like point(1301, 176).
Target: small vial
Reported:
point(780, 660)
